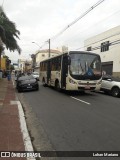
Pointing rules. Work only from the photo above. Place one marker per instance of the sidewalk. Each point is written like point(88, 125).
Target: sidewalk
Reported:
point(11, 138)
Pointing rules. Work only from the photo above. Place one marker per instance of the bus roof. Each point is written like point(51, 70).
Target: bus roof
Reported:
point(70, 52)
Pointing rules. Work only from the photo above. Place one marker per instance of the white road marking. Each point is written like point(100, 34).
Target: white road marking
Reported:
point(81, 100)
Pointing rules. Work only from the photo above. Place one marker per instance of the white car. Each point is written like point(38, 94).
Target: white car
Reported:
point(111, 85)
point(36, 75)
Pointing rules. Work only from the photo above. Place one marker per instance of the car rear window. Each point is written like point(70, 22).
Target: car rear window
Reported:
point(25, 77)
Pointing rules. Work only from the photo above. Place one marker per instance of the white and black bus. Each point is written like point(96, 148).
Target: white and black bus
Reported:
point(75, 70)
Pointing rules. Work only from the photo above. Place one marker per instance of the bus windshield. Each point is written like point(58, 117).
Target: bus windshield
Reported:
point(85, 66)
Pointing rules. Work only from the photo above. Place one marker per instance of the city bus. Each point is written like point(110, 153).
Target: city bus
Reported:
point(72, 71)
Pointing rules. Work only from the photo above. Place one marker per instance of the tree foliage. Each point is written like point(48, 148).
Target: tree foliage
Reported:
point(8, 32)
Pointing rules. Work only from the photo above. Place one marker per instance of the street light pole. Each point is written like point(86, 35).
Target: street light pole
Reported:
point(37, 44)
point(33, 56)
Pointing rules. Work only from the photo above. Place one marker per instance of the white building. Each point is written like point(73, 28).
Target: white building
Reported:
point(63, 49)
point(107, 45)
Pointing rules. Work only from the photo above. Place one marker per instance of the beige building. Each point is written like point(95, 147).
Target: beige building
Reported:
point(107, 45)
point(44, 54)
point(24, 65)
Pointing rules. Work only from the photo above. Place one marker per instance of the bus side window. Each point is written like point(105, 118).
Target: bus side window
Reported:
point(59, 63)
point(41, 66)
point(52, 65)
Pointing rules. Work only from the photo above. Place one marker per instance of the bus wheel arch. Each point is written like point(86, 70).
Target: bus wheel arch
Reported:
point(57, 85)
point(43, 82)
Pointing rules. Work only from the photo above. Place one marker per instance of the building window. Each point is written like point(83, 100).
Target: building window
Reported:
point(43, 55)
point(89, 48)
point(105, 46)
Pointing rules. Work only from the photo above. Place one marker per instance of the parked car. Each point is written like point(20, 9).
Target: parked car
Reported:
point(111, 85)
point(18, 75)
point(26, 83)
point(36, 75)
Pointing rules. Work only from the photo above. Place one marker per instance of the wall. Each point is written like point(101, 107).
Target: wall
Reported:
point(3, 63)
point(113, 53)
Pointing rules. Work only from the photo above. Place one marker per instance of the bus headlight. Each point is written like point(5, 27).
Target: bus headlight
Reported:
point(71, 81)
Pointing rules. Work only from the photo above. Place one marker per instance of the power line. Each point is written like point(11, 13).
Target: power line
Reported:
point(111, 44)
point(99, 40)
point(77, 19)
point(41, 45)
point(95, 24)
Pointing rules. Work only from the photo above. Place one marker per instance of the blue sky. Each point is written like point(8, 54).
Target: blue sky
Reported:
point(40, 20)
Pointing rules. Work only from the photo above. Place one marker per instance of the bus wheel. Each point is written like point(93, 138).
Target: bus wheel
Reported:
point(43, 82)
point(57, 86)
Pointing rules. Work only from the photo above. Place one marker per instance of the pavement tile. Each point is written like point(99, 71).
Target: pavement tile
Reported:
point(14, 110)
point(4, 141)
point(1, 103)
point(14, 124)
point(4, 119)
point(6, 110)
point(2, 96)
point(10, 133)
point(15, 142)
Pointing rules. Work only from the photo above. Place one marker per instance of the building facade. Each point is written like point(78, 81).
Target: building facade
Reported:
point(24, 65)
point(107, 45)
point(44, 54)
point(3, 63)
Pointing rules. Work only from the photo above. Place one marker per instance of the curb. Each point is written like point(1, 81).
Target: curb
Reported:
point(24, 130)
point(23, 126)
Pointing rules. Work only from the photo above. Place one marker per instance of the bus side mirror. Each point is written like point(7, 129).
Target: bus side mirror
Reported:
point(69, 60)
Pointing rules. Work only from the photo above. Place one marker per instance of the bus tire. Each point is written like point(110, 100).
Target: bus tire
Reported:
point(43, 82)
point(57, 86)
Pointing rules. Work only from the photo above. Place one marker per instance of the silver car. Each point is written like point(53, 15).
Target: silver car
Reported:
point(36, 75)
point(111, 85)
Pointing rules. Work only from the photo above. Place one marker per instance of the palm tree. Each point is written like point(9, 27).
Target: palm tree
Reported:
point(8, 33)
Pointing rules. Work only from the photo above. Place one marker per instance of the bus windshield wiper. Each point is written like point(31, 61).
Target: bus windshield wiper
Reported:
point(80, 66)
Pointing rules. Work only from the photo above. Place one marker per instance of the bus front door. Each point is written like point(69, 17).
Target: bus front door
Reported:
point(48, 73)
point(64, 71)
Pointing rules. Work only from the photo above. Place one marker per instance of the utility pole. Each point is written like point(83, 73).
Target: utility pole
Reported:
point(49, 47)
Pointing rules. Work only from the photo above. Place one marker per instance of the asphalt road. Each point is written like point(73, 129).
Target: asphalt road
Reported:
point(74, 122)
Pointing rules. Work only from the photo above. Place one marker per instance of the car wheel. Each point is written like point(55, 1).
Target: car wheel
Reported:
point(19, 90)
point(37, 89)
point(115, 92)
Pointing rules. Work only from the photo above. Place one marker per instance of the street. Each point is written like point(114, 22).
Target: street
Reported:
point(72, 122)
point(61, 45)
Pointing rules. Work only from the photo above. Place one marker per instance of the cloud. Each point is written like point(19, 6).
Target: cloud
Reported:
point(40, 20)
